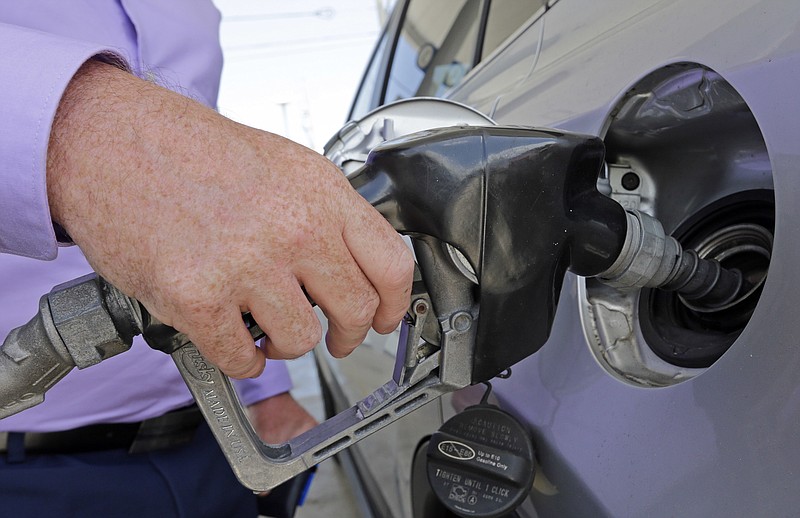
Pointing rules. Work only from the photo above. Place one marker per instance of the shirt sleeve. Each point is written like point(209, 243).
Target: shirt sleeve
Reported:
point(273, 381)
point(36, 68)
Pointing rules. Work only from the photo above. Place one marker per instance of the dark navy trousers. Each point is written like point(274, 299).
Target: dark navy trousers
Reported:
point(189, 481)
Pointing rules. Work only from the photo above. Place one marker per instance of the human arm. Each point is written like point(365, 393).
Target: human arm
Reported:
point(201, 219)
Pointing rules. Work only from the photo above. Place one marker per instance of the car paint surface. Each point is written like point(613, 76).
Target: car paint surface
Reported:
point(719, 444)
point(723, 443)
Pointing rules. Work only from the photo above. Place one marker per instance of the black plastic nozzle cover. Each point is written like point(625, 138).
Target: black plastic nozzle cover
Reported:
point(523, 207)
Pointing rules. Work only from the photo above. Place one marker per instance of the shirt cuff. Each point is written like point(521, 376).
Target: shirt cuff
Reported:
point(273, 381)
point(36, 69)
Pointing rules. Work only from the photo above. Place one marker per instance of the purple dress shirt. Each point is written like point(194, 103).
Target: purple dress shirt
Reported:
point(174, 43)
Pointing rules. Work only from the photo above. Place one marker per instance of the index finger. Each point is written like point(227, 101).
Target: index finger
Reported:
point(386, 261)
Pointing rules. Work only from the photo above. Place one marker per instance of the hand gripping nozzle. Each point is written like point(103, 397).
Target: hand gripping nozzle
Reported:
point(496, 217)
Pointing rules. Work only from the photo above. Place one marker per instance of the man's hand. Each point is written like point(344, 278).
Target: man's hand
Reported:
point(201, 218)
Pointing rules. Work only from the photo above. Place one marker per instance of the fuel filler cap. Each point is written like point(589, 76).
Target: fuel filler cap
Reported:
point(481, 462)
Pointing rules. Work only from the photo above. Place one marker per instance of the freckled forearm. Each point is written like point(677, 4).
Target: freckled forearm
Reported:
point(111, 144)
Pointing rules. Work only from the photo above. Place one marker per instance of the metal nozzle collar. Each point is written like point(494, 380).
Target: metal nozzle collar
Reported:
point(648, 257)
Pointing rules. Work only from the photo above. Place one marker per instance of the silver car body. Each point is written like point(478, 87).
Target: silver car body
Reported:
point(624, 433)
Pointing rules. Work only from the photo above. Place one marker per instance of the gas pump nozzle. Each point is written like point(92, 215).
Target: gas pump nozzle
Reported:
point(496, 216)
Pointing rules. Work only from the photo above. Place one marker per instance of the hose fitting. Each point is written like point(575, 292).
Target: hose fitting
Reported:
point(649, 258)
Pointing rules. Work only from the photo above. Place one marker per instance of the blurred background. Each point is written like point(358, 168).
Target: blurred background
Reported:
point(292, 68)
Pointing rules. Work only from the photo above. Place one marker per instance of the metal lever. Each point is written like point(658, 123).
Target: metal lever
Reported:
point(416, 381)
point(261, 466)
